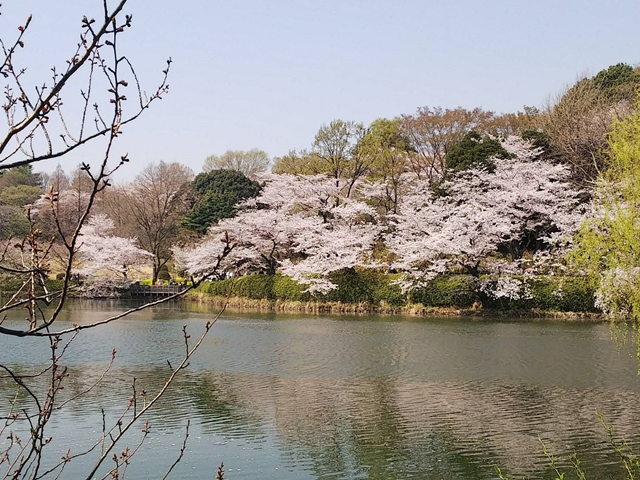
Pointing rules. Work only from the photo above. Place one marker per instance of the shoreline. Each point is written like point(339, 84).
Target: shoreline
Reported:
point(243, 304)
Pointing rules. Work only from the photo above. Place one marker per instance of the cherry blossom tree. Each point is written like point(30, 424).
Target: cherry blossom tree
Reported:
point(219, 249)
point(346, 241)
point(526, 203)
point(102, 252)
point(303, 226)
point(479, 221)
point(262, 233)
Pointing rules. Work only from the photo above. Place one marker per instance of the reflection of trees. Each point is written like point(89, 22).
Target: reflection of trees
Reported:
point(220, 409)
point(360, 399)
point(379, 434)
point(384, 428)
point(112, 394)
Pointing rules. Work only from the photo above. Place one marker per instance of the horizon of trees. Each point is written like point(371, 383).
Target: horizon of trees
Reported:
point(374, 170)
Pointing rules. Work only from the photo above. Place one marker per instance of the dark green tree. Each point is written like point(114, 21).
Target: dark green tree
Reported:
point(475, 151)
point(618, 82)
point(18, 188)
point(19, 195)
point(215, 195)
point(538, 138)
point(22, 175)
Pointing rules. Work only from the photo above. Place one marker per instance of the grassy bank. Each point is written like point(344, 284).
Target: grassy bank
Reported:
point(243, 304)
point(369, 291)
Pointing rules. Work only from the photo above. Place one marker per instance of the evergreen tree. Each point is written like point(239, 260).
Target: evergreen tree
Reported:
point(216, 195)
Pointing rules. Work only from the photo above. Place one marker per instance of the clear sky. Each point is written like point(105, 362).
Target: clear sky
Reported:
point(268, 73)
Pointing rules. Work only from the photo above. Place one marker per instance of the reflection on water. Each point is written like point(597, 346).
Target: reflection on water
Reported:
point(351, 397)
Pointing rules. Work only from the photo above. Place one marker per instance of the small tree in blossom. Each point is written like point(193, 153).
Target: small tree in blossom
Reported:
point(102, 253)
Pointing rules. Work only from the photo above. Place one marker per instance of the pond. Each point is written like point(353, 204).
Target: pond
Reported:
point(346, 397)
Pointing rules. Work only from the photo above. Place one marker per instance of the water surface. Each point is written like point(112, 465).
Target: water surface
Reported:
point(295, 397)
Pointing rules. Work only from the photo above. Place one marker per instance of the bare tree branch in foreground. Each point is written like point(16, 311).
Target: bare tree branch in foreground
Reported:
point(38, 130)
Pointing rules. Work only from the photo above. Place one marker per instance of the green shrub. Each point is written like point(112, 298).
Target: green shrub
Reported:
point(367, 286)
point(352, 288)
point(377, 288)
point(447, 291)
point(286, 288)
point(384, 288)
point(221, 288)
point(475, 151)
point(253, 286)
point(9, 286)
point(54, 285)
point(565, 294)
point(163, 273)
point(558, 293)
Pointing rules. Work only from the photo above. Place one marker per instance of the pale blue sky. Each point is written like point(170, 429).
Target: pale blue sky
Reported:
point(267, 74)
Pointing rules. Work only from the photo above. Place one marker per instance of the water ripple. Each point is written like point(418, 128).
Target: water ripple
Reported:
point(349, 398)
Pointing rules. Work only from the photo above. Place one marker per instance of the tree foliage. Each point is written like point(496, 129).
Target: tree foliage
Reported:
point(388, 151)
point(475, 151)
point(249, 162)
point(21, 175)
point(297, 163)
point(608, 244)
point(335, 152)
point(226, 181)
point(216, 195)
point(19, 187)
point(578, 121)
point(618, 82)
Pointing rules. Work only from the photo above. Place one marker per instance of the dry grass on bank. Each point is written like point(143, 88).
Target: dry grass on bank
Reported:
point(243, 304)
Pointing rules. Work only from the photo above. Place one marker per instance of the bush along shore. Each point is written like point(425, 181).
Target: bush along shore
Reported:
point(367, 291)
point(370, 291)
